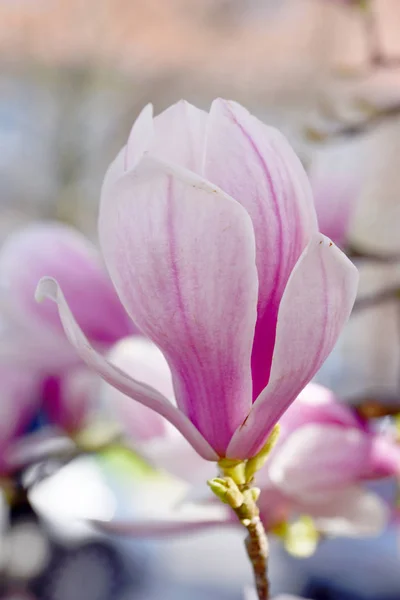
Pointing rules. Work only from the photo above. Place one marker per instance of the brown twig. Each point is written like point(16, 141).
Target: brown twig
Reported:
point(375, 55)
point(386, 295)
point(350, 130)
point(370, 408)
point(257, 550)
point(357, 253)
point(256, 543)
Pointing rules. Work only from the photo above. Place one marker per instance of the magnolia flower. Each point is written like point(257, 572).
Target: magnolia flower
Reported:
point(208, 230)
point(318, 468)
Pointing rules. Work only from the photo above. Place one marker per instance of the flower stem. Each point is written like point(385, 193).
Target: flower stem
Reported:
point(257, 550)
point(256, 541)
point(243, 501)
point(235, 487)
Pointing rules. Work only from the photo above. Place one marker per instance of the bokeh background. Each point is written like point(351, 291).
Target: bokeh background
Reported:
point(73, 76)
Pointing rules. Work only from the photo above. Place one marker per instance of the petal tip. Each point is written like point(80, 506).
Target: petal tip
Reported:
point(46, 289)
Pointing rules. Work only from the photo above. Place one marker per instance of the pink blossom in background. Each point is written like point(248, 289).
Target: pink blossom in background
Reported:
point(32, 343)
point(47, 247)
point(20, 399)
point(208, 230)
point(69, 401)
point(323, 457)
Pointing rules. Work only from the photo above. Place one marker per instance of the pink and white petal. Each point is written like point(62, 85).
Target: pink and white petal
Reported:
point(173, 524)
point(317, 404)
point(143, 361)
point(317, 458)
point(173, 454)
point(274, 506)
point(179, 136)
point(145, 394)
point(384, 457)
point(152, 436)
point(351, 512)
point(255, 164)
point(140, 140)
point(60, 251)
point(181, 254)
point(315, 306)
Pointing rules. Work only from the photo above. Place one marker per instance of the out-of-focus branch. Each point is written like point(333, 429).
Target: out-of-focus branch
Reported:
point(357, 253)
point(348, 130)
point(370, 116)
point(386, 295)
point(372, 408)
point(376, 55)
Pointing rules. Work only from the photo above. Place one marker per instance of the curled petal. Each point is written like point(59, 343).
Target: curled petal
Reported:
point(141, 392)
point(315, 306)
point(181, 254)
point(255, 165)
point(60, 251)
